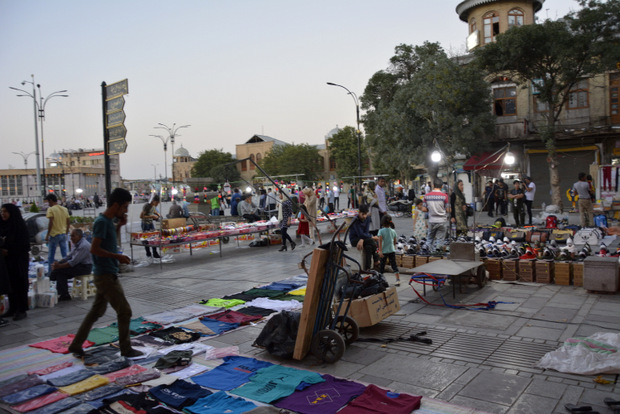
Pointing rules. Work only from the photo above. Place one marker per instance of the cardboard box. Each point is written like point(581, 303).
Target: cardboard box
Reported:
point(578, 274)
point(510, 269)
point(408, 261)
point(527, 270)
point(563, 273)
point(373, 309)
point(173, 223)
point(494, 268)
point(420, 260)
point(600, 274)
point(544, 271)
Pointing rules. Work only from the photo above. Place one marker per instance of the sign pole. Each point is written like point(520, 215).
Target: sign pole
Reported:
point(106, 138)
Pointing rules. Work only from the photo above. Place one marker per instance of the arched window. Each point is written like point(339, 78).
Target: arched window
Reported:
point(515, 18)
point(244, 165)
point(472, 25)
point(259, 158)
point(504, 97)
point(491, 26)
point(252, 160)
point(332, 163)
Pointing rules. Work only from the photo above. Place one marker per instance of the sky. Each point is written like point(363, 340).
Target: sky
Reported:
point(230, 69)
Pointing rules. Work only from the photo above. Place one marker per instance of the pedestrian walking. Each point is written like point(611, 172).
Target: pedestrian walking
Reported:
point(381, 197)
point(104, 249)
point(501, 190)
point(489, 199)
point(517, 198)
point(14, 247)
point(420, 225)
point(373, 208)
point(310, 202)
point(336, 190)
point(149, 215)
point(387, 246)
point(530, 192)
point(285, 223)
point(582, 189)
point(57, 229)
point(437, 205)
point(458, 209)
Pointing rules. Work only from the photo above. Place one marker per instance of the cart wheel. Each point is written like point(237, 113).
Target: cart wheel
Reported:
point(347, 327)
point(435, 286)
point(481, 276)
point(225, 239)
point(328, 346)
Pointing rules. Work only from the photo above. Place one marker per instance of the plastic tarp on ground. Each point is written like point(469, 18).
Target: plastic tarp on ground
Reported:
point(596, 354)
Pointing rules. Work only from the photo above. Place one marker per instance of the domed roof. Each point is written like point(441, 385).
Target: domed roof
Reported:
point(54, 156)
point(181, 152)
point(333, 132)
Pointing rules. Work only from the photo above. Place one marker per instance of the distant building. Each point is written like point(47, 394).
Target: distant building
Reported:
point(182, 166)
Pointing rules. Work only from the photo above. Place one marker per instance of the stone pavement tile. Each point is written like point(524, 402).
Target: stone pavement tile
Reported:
point(360, 354)
point(11, 341)
point(551, 313)
point(408, 370)
point(540, 332)
point(529, 403)
point(424, 319)
point(371, 379)
point(486, 320)
point(468, 375)
point(495, 387)
point(450, 391)
point(412, 389)
point(546, 389)
point(479, 404)
point(595, 398)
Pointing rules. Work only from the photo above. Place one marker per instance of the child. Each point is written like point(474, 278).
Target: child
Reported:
point(387, 245)
point(304, 227)
point(420, 227)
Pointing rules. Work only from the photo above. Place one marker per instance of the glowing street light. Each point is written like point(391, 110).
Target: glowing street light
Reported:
point(509, 158)
point(435, 156)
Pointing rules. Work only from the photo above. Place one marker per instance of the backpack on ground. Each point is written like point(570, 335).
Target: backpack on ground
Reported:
point(552, 222)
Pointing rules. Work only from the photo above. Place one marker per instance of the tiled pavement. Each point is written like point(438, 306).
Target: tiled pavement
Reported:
point(478, 359)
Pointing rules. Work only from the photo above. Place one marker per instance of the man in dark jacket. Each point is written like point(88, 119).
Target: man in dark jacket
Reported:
point(361, 238)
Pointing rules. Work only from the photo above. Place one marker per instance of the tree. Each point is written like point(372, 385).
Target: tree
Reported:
point(343, 148)
point(555, 56)
point(293, 159)
point(217, 165)
point(422, 102)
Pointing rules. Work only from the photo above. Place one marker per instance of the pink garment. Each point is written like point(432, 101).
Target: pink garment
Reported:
point(40, 402)
point(60, 345)
point(51, 369)
point(125, 372)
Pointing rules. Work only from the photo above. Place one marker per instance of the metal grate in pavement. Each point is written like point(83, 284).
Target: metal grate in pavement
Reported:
point(463, 346)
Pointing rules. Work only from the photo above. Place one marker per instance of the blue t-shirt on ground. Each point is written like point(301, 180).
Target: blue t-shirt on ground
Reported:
point(233, 372)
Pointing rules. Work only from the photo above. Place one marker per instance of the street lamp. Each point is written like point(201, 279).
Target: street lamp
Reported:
point(25, 157)
point(154, 172)
point(435, 156)
point(172, 134)
point(43, 102)
point(165, 142)
point(359, 133)
point(509, 158)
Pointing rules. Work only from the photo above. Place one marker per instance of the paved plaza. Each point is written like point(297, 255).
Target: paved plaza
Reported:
point(478, 359)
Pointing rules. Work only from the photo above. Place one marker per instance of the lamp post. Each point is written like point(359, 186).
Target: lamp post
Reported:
point(165, 142)
point(172, 134)
point(36, 135)
point(25, 157)
point(154, 172)
point(359, 133)
point(43, 102)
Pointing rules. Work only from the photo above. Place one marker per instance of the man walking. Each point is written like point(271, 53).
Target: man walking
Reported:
point(530, 192)
point(77, 263)
point(105, 268)
point(57, 229)
point(582, 189)
point(380, 191)
point(437, 204)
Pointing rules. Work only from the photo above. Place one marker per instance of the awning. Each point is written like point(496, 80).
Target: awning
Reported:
point(487, 163)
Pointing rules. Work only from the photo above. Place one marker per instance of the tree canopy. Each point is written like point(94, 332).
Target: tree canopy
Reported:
point(422, 102)
point(555, 56)
point(293, 159)
point(212, 163)
point(343, 148)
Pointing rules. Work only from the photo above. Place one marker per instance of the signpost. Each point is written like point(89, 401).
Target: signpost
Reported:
point(114, 131)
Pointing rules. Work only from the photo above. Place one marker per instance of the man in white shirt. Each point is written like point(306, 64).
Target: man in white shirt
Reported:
point(530, 192)
point(336, 190)
point(380, 191)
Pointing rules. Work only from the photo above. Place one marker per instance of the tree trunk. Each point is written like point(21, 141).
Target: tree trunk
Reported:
point(552, 159)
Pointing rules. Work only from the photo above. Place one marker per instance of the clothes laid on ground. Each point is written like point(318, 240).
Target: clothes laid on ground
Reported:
point(28, 394)
point(199, 327)
point(132, 370)
point(252, 294)
point(40, 402)
point(49, 370)
point(87, 384)
point(299, 291)
point(222, 303)
point(255, 310)
point(233, 372)
point(150, 341)
point(139, 378)
point(179, 394)
point(100, 392)
point(195, 348)
point(83, 408)
point(277, 305)
point(59, 345)
point(111, 366)
point(176, 335)
point(57, 407)
point(102, 336)
point(220, 402)
point(275, 382)
point(376, 400)
point(217, 326)
point(283, 286)
point(231, 316)
point(173, 359)
point(323, 398)
point(61, 372)
point(71, 378)
point(20, 384)
point(100, 355)
point(140, 326)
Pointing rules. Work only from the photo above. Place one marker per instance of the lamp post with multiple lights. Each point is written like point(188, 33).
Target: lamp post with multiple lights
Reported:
point(172, 134)
point(165, 142)
point(43, 103)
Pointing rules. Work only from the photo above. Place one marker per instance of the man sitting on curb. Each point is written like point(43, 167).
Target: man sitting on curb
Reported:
point(361, 238)
point(77, 263)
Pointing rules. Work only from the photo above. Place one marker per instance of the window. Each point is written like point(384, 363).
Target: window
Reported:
point(259, 158)
point(491, 26)
point(332, 164)
point(244, 165)
point(472, 25)
point(252, 166)
point(515, 18)
point(540, 106)
point(578, 96)
point(505, 100)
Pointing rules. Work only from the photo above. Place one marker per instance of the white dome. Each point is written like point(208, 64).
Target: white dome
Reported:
point(181, 152)
point(332, 132)
point(54, 156)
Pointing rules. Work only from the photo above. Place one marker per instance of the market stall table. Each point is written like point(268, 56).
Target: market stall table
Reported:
point(454, 269)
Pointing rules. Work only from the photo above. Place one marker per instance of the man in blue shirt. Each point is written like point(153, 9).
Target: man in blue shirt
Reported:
point(106, 259)
point(361, 238)
point(77, 263)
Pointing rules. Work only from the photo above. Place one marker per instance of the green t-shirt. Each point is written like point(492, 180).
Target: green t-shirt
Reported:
point(387, 235)
point(104, 229)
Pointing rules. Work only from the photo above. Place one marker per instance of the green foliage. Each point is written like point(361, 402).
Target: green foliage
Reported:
point(34, 208)
point(424, 100)
point(293, 159)
point(81, 220)
point(343, 148)
point(217, 164)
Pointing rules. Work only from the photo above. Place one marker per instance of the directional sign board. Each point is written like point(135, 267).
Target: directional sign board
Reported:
point(115, 104)
point(117, 146)
point(117, 89)
point(115, 118)
point(117, 132)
